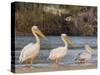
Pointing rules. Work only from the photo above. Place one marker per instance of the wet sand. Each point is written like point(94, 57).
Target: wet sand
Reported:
point(52, 67)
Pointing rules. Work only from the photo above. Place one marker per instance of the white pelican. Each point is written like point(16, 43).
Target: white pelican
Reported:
point(30, 51)
point(85, 56)
point(58, 53)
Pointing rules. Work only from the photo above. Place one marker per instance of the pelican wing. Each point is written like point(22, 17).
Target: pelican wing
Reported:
point(57, 53)
point(83, 55)
point(28, 51)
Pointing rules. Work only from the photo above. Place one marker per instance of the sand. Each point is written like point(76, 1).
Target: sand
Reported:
point(52, 67)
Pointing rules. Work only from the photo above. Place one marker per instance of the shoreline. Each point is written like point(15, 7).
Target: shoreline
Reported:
point(52, 68)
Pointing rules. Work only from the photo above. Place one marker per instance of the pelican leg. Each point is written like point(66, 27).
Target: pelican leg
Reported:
point(27, 63)
point(31, 63)
point(78, 62)
point(56, 61)
point(81, 61)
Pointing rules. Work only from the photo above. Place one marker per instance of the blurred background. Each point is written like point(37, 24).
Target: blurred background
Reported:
point(55, 19)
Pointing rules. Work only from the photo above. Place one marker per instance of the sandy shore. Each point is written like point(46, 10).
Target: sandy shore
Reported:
point(52, 67)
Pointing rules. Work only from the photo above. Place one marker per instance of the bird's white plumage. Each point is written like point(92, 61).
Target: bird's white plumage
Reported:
point(58, 53)
point(29, 51)
point(85, 55)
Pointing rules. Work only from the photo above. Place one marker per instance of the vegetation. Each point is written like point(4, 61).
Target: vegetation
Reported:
point(55, 19)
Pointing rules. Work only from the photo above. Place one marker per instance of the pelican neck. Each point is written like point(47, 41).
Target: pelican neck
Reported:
point(36, 37)
point(65, 42)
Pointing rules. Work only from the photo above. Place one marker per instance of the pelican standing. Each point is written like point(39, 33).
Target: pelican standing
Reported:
point(85, 56)
point(58, 53)
point(30, 51)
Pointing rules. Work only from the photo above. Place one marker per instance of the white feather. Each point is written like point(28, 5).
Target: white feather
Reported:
point(57, 53)
point(29, 51)
point(86, 55)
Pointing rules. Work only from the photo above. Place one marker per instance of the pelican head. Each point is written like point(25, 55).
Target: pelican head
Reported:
point(36, 30)
point(88, 48)
point(66, 38)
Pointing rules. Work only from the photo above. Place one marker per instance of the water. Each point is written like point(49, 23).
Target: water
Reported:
point(53, 42)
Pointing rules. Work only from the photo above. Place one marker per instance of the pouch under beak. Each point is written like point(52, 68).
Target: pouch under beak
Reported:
point(41, 34)
point(68, 40)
